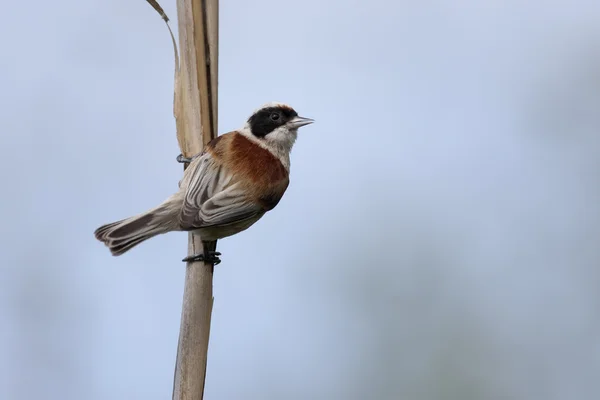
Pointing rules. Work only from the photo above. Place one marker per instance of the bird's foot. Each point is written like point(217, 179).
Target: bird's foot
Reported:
point(181, 159)
point(211, 257)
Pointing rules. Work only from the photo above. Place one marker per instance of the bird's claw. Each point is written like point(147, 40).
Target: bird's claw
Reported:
point(182, 159)
point(212, 257)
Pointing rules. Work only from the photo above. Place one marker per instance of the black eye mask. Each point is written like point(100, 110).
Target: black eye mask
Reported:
point(268, 119)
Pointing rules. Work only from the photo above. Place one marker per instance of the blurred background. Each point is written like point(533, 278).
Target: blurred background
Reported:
point(439, 239)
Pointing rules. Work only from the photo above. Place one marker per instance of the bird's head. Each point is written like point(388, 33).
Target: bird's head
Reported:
point(276, 124)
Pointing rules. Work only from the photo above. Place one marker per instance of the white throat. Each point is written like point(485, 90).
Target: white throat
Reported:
point(279, 142)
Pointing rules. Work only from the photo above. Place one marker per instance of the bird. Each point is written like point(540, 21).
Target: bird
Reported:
point(239, 176)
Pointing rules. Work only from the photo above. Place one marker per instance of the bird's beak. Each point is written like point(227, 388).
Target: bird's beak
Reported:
point(297, 122)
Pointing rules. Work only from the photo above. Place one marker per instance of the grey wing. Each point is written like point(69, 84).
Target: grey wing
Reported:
point(212, 197)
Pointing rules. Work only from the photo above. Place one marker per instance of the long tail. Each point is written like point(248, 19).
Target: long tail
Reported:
point(121, 236)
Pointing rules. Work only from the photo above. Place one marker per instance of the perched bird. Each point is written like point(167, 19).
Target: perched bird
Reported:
point(238, 177)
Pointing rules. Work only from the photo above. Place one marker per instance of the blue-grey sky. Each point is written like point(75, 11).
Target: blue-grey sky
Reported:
point(439, 239)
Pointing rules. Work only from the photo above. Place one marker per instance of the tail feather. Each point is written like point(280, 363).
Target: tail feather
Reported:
point(121, 236)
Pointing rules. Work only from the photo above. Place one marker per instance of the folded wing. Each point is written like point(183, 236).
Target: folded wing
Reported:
point(213, 197)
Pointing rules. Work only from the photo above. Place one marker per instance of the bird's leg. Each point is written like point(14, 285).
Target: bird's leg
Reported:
point(208, 256)
point(212, 257)
point(182, 159)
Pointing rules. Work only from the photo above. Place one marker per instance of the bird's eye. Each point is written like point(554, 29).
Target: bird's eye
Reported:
point(275, 116)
